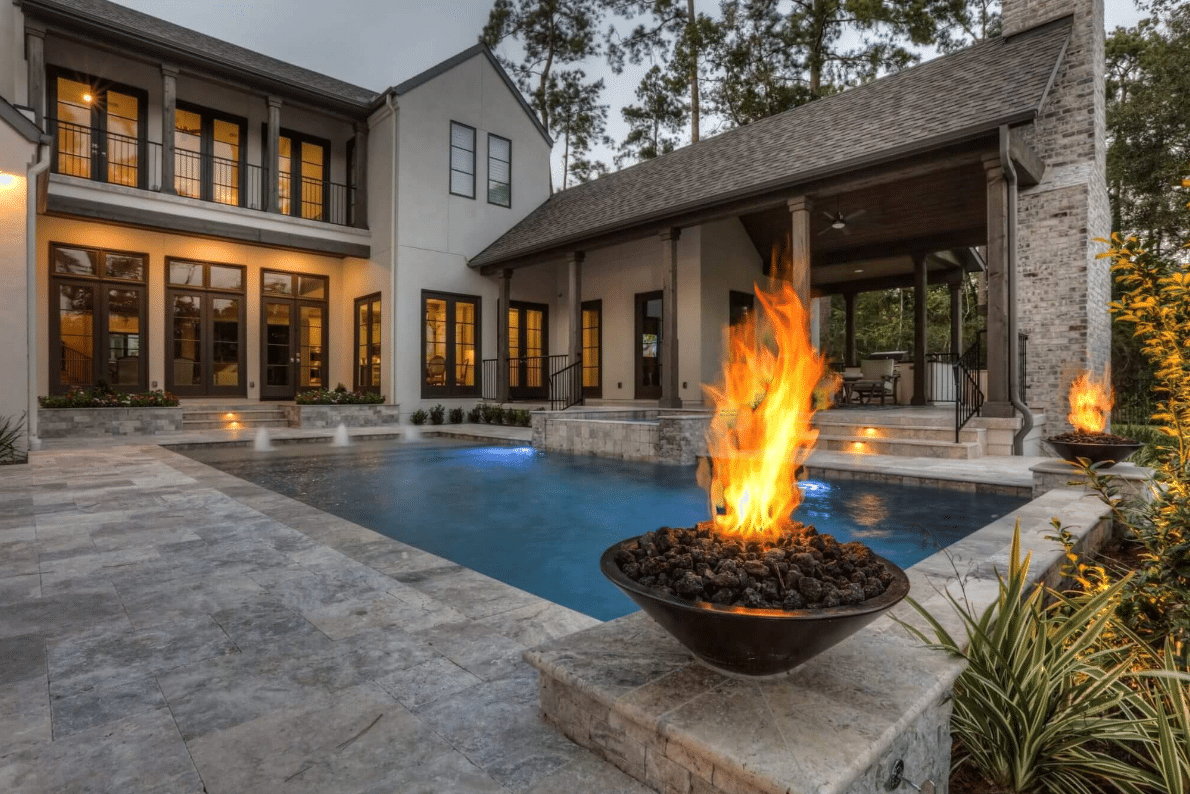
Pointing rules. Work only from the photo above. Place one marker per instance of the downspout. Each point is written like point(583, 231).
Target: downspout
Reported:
point(392, 247)
point(1014, 352)
point(32, 345)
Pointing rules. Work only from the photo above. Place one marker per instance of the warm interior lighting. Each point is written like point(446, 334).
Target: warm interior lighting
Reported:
point(1090, 402)
point(839, 223)
point(87, 97)
point(7, 181)
point(859, 270)
point(761, 432)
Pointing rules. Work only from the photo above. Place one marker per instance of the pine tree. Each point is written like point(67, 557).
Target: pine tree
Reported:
point(658, 119)
point(580, 121)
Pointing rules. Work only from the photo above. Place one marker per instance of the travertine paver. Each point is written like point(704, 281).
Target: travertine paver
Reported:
point(165, 627)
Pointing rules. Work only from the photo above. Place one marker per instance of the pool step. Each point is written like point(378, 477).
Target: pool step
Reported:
point(904, 447)
point(227, 417)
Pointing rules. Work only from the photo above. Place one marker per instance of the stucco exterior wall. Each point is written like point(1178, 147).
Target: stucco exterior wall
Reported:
point(159, 245)
point(729, 262)
point(13, 76)
point(1064, 289)
point(15, 155)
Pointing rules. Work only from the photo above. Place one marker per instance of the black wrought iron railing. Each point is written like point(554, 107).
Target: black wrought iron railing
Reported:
point(968, 369)
point(75, 368)
point(940, 382)
point(533, 378)
point(566, 386)
point(101, 156)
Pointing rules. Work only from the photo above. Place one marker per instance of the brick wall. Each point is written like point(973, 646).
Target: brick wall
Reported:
point(1063, 289)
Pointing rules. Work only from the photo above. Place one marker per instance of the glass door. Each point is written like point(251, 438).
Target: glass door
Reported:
point(528, 349)
point(279, 379)
point(648, 345)
point(367, 343)
point(205, 327)
point(294, 335)
point(592, 348)
point(100, 130)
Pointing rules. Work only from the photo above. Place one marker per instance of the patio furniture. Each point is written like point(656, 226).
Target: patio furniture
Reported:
point(851, 375)
point(878, 379)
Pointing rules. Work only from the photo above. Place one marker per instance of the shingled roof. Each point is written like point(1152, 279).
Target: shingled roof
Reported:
point(183, 43)
point(950, 99)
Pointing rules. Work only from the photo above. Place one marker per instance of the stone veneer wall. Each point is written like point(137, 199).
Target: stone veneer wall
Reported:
point(99, 422)
point(316, 416)
point(604, 438)
point(681, 439)
point(1063, 290)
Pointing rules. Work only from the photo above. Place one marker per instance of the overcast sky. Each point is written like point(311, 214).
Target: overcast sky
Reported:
point(378, 43)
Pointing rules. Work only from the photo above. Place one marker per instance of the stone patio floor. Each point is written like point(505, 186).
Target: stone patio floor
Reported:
point(165, 627)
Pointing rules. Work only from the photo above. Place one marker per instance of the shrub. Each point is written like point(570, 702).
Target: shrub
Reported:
point(101, 396)
point(11, 433)
point(456, 416)
point(339, 387)
point(418, 417)
point(438, 414)
point(336, 397)
point(475, 415)
point(496, 415)
point(525, 418)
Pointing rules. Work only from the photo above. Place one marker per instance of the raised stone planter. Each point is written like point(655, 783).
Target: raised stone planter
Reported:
point(99, 422)
point(1058, 473)
point(675, 437)
point(317, 416)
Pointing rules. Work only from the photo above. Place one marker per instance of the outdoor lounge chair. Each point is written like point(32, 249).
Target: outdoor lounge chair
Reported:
point(878, 380)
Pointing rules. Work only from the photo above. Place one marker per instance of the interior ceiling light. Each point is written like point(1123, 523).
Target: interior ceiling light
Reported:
point(87, 97)
point(859, 270)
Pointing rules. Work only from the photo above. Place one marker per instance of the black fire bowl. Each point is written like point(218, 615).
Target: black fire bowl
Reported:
point(1106, 454)
point(754, 642)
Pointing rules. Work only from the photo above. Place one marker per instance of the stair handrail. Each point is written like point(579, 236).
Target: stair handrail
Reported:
point(566, 386)
point(968, 395)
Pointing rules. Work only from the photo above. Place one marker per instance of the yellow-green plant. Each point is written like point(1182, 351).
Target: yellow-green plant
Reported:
point(1040, 706)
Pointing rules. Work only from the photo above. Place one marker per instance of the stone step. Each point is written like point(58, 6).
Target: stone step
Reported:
point(207, 415)
point(919, 432)
point(230, 424)
point(887, 417)
point(903, 447)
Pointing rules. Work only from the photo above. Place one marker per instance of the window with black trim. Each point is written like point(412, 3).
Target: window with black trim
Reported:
point(499, 171)
point(98, 318)
point(209, 154)
point(450, 351)
point(592, 348)
point(99, 126)
point(303, 175)
point(462, 160)
point(367, 342)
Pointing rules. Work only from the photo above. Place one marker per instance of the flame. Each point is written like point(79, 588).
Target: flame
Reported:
point(760, 433)
point(1090, 402)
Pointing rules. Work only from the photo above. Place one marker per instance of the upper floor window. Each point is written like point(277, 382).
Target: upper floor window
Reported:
point(208, 155)
point(303, 176)
point(100, 128)
point(462, 160)
point(499, 171)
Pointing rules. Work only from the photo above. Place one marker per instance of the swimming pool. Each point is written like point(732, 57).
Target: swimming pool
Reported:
point(539, 521)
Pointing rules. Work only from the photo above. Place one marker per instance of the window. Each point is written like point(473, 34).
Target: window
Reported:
point(98, 318)
point(499, 171)
point(303, 175)
point(100, 128)
point(367, 343)
point(208, 155)
point(592, 348)
point(205, 323)
point(462, 160)
point(450, 344)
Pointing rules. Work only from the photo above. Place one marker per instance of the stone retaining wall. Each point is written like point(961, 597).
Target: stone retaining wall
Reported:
point(316, 416)
point(99, 422)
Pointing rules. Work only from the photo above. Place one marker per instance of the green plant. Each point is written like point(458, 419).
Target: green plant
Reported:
point(475, 415)
point(496, 416)
point(11, 433)
point(339, 387)
point(418, 417)
point(1041, 706)
point(438, 414)
point(336, 397)
point(525, 418)
point(1163, 702)
point(456, 416)
point(96, 398)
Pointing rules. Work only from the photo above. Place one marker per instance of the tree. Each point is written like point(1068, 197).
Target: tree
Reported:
point(580, 120)
point(970, 22)
point(1149, 129)
point(655, 123)
point(553, 34)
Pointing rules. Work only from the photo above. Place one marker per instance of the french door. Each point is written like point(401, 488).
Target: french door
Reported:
point(207, 343)
point(592, 348)
point(648, 345)
point(293, 329)
point(528, 350)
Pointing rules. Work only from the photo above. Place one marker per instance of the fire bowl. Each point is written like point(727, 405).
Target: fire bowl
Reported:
point(1106, 454)
point(754, 642)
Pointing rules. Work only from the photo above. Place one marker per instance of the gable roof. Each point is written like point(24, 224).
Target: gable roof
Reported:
point(19, 122)
point(951, 99)
point(466, 55)
point(175, 43)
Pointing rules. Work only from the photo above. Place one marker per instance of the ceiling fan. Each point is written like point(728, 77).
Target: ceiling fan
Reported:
point(839, 222)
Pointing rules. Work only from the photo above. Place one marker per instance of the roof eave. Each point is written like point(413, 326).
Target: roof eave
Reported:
point(786, 183)
point(169, 52)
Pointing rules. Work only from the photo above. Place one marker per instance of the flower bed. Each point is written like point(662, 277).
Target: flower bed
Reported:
point(105, 398)
point(337, 397)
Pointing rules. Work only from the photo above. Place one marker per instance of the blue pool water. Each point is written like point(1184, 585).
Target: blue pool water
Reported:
point(540, 521)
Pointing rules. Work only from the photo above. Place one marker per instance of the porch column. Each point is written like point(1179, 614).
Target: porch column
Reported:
point(956, 320)
point(272, 178)
point(849, 357)
point(502, 335)
point(35, 56)
point(799, 248)
point(670, 396)
point(169, 107)
point(997, 402)
point(920, 326)
point(359, 179)
point(574, 272)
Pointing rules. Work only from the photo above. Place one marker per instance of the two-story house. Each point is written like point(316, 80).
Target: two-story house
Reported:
point(221, 224)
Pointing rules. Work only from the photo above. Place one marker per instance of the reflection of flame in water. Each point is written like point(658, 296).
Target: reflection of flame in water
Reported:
point(869, 510)
point(761, 433)
point(1090, 402)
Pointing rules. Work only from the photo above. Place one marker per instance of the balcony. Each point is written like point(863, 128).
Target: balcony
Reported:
point(101, 156)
